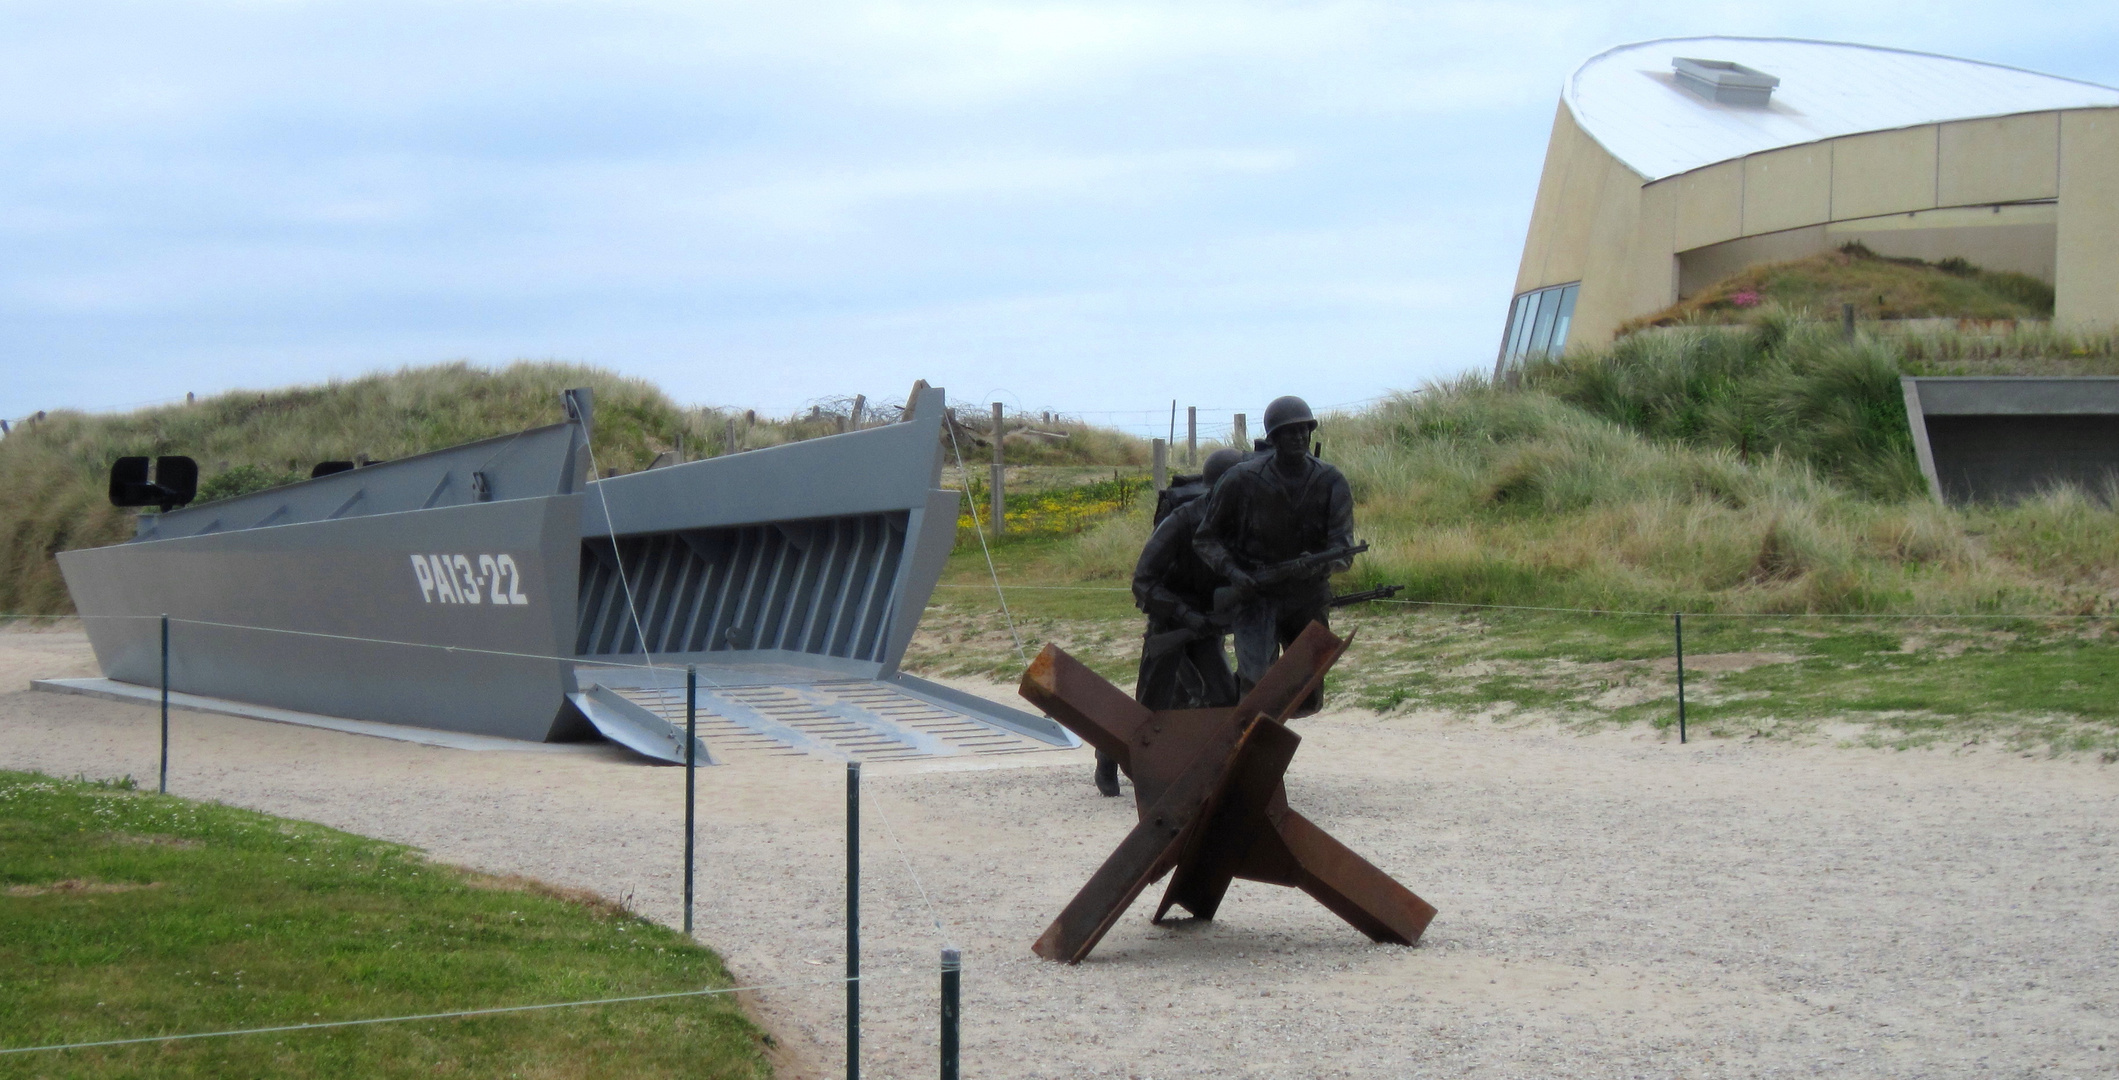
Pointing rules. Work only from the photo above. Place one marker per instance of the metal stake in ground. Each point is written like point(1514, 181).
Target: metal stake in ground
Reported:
point(853, 920)
point(162, 776)
point(691, 783)
point(998, 490)
point(1677, 622)
point(952, 975)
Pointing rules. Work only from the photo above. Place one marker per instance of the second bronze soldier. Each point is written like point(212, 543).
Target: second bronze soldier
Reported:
point(1182, 663)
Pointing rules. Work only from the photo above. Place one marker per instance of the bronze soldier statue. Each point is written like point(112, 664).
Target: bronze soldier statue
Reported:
point(1277, 527)
point(1182, 663)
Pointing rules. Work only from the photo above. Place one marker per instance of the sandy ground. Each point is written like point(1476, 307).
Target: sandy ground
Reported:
point(1611, 905)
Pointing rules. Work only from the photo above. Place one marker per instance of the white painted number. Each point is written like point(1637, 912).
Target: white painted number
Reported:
point(457, 579)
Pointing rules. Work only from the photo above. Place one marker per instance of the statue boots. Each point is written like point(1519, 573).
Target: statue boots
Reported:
point(1106, 774)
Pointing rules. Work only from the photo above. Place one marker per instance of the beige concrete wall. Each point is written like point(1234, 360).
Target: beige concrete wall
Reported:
point(1651, 267)
point(1572, 193)
point(2086, 289)
point(1787, 188)
point(1702, 267)
point(2019, 237)
point(1605, 298)
point(1634, 245)
point(2003, 159)
point(1884, 172)
point(1582, 229)
point(1710, 204)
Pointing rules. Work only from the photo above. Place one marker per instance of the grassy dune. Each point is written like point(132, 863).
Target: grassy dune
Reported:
point(1879, 287)
point(53, 473)
point(1758, 477)
point(1758, 469)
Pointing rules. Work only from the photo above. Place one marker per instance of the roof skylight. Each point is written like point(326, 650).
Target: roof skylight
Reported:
point(1724, 81)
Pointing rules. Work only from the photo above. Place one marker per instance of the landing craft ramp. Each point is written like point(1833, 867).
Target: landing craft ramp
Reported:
point(497, 588)
point(748, 714)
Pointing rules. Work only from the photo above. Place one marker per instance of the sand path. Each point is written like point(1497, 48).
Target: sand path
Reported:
point(1611, 905)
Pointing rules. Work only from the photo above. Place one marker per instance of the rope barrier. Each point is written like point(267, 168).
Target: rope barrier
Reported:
point(1617, 611)
point(981, 530)
point(459, 1014)
point(933, 915)
point(617, 555)
point(406, 644)
point(1003, 588)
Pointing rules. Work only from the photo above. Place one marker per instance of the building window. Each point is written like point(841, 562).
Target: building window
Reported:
point(1537, 324)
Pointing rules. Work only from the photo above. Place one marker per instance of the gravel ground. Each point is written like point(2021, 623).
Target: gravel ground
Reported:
point(1612, 905)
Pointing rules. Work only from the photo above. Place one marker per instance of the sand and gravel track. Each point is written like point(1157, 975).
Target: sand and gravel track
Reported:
point(1612, 905)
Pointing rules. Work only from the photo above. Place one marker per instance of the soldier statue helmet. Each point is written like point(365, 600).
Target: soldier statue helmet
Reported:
point(1287, 410)
point(1217, 463)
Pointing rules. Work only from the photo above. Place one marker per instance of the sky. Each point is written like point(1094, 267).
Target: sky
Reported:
point(1093, 208)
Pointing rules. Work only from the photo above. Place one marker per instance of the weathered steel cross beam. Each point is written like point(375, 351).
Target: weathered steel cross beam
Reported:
point(1212, 807)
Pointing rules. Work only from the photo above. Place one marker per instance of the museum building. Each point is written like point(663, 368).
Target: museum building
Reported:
point(1675, 163)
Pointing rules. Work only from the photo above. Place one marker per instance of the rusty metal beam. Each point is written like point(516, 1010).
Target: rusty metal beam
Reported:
point(1352, 887)
point(1208, 786)
point(1145, 855)
point(1086, 702)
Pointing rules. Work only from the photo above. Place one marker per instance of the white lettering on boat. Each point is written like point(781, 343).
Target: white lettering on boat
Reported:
point(468, 579)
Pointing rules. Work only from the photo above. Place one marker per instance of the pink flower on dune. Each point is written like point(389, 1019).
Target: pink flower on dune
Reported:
point(1747, 298)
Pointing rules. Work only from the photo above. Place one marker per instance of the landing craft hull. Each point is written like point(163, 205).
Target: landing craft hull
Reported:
point(492, 588)
point(328, 617)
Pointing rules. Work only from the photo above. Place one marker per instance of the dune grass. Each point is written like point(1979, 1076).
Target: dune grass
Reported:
point(1780, 386)
point(126, 914)
point(1762, 469)
point(54, 472)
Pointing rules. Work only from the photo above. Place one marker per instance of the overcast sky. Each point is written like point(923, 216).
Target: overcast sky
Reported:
point(1091, 207)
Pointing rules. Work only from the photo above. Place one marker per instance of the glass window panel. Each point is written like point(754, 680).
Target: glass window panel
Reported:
point(1567, 317)
point(1524, 325)
point(1548, 310)
point(1530, 323)
point(1508, 331)
point(1515, 329)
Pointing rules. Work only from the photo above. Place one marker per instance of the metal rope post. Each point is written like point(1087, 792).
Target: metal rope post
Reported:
point(998, 489)
point(162, 775)
point(691, 783)
point(853, 920)
point(1677, 622)
point(952, 976)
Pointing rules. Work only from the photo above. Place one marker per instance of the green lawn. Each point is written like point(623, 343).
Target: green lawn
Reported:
point(127, 914)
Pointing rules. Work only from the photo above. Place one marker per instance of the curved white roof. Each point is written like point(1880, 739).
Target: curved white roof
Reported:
point(1630, 102)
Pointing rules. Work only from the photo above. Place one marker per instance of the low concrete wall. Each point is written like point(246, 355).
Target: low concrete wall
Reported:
point(2003, 439)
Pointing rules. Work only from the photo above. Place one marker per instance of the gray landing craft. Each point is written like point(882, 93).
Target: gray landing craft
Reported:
point(496, 588)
